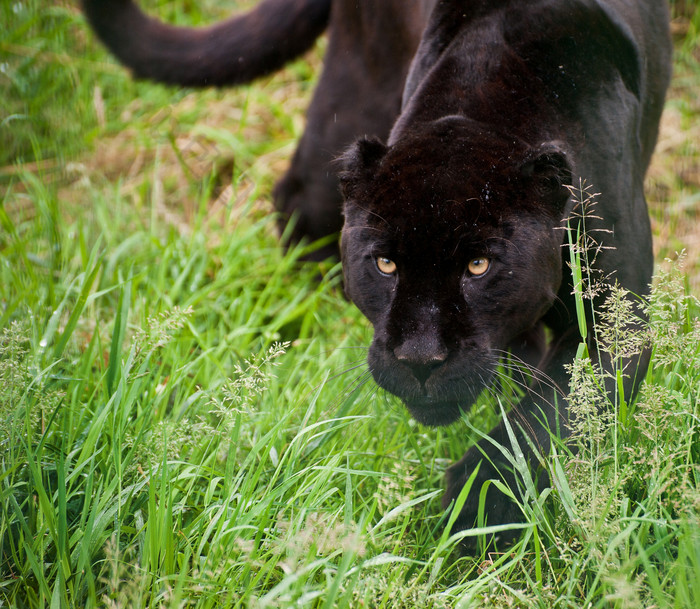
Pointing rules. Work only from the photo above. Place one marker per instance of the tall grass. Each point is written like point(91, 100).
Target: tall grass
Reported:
point(185, 416)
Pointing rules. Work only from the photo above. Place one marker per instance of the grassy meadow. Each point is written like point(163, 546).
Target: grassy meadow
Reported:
point(186, 418)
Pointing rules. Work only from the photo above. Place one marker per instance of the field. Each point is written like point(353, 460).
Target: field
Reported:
point(186, 418)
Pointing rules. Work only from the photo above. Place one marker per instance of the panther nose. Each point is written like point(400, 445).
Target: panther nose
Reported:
point(422, 372)
point(422, 356)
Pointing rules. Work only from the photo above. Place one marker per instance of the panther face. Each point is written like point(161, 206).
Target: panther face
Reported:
point(451, 249)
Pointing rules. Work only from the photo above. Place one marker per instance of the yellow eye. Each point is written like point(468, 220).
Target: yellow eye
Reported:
point(386, 266)
point(478, 266)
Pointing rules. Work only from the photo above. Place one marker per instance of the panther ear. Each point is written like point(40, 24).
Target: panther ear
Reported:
point(359, 163)
point(548, 171)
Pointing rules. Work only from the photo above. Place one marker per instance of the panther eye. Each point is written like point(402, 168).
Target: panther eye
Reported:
point(478, 266)
point(386, 266)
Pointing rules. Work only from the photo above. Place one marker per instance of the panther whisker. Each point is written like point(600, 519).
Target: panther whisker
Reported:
point(529, 391)
point(516, 364)
point(357, 366)
point(354, 386)
point(519, 380)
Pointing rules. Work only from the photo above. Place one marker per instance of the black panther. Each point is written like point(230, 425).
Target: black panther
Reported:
point(459, 126)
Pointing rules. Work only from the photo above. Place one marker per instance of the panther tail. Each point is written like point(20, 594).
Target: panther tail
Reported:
point(231, 52)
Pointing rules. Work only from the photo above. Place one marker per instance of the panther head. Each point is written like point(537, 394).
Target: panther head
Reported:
point(450, 248)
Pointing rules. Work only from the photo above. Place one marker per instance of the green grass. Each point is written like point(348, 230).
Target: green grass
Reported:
point(185, 416)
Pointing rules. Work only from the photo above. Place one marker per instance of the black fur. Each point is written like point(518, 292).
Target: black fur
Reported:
point(496, 106)
point(506, 103)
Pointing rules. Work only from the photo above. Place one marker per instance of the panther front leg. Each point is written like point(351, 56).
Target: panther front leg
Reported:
point(541, 415)
point(491, 457)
